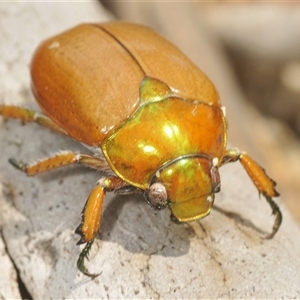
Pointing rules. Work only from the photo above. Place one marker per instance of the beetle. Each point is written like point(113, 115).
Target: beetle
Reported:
point(153, 118)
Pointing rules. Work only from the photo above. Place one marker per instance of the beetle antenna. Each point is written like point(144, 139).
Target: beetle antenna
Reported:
point(80, 262)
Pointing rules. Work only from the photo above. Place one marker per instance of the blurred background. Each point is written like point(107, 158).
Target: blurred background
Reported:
point(251, 51)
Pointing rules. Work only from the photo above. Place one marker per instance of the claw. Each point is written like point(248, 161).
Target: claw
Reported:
point(17, 165)
point(80, 262)
point(278, 217)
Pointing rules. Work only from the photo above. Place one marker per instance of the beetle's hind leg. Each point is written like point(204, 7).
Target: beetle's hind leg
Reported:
point(29, 115)
point(261, 180)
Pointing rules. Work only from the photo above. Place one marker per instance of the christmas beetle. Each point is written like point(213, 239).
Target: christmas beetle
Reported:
point(153, 118)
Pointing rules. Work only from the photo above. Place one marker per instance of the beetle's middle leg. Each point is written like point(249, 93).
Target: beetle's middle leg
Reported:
point(261, 180)
point(61, 159)
point(92, 211)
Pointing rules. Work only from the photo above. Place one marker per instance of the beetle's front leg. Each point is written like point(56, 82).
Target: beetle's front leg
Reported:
point(91, 218)
point(261, 180)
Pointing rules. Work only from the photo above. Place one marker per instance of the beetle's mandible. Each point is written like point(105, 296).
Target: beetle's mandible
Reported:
point(154, 119)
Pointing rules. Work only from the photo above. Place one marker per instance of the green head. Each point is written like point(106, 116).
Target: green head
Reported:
point(187, 185)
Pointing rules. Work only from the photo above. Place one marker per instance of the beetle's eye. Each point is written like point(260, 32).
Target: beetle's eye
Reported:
point(215, 179)
point(157, 196)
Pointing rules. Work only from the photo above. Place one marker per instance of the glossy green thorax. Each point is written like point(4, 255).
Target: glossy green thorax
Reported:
point(161, 130)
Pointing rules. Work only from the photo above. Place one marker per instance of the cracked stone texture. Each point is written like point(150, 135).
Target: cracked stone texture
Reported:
point(8, 278)
point(140, 253)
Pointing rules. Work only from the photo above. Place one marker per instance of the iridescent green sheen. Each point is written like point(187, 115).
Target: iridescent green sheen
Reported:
point(159, 132)
point(189, 187)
